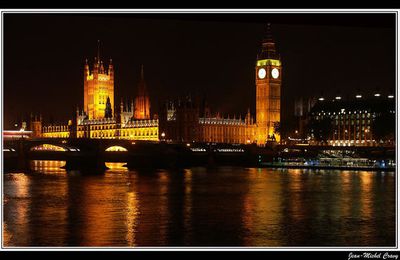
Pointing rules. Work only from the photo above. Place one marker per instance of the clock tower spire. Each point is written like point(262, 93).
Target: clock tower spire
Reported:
point(268, 90)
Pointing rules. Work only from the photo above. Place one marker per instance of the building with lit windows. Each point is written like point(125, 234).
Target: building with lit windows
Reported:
point(354, 122)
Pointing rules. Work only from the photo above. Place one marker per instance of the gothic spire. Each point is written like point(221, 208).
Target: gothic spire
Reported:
point(268, 46)
point(268, 37)
point(98, 50)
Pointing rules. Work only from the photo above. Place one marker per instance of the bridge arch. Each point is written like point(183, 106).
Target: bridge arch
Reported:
point(116, 148)
point(53, 148)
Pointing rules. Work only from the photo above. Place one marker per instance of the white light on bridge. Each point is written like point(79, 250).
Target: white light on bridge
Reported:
point(358, 96)
point(116, 149)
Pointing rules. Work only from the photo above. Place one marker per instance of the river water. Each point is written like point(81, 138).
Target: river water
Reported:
point(198, 207)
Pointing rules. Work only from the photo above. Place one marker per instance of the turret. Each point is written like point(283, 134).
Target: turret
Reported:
point(111, 70)
point(95, 68)
point(101, 67)
point(108, 110)
point(36, 125)
point(248, 117)
point(86, 70)
point(268, 50)
point(122, 106)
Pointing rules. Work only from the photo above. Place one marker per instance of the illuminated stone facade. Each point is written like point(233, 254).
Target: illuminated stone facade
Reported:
point(268, 91)
point(107, 129)
point(130, 122)
point(98, 86)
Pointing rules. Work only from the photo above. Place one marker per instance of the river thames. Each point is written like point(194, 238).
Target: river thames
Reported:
point(198, 207)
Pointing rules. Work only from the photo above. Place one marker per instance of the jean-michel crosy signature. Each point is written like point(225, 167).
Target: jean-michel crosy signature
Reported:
point(376, 255)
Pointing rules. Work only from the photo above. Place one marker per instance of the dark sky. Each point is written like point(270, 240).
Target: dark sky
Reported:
point(199, 54)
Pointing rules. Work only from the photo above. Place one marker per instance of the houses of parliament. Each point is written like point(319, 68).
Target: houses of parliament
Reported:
point(181, 120)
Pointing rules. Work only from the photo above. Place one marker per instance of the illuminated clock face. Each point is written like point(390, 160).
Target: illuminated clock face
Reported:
point(275, 73)
point(262, 73)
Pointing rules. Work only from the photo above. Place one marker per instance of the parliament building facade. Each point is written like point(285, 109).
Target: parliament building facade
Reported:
point(184, 120)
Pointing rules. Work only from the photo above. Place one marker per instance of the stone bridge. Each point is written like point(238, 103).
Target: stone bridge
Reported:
point(80, 153)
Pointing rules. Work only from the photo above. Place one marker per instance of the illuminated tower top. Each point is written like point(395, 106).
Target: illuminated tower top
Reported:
point(142, 100)
point(268, 50)
point(98, 86)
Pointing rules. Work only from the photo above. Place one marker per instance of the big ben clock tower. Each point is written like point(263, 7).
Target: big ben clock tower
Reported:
point(268, 91)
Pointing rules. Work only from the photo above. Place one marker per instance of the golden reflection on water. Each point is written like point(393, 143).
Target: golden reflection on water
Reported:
point(7, 236)
point(188, 202)
point(132, 215)
point(261, 206)
point(255, 207)
point(48, 166)
point(100, 203)
point(163, 181)
point(18, 202)
point(295, 201)
point(346, 187)
point(366, 194)
point(116, 166)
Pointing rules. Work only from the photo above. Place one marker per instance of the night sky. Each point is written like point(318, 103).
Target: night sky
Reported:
point(211, 55)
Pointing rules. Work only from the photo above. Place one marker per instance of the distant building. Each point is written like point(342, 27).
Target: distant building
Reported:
point(187, 120)
point(353, 122)
point(302, 108)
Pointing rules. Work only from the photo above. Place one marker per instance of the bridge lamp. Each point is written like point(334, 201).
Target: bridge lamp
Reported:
point(358, 96)
point(162, 134)
point(377, 95)
point(390, 96)
point(338, 98)
point(321, 99)
point(188, 144)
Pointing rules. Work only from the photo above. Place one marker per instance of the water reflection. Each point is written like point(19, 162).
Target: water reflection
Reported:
point(225, 206)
